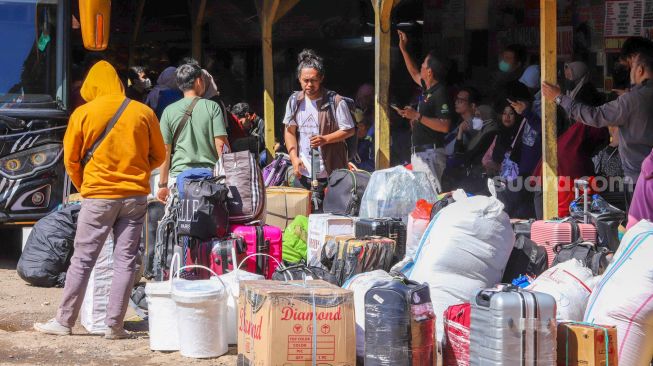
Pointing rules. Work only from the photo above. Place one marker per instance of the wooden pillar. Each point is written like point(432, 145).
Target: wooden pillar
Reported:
point(382, 37)
point(548, 56)
point(136, 31)
point(197, 21)
point(266, 15)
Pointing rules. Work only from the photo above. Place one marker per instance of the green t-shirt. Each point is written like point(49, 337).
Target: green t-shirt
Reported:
point(196, 145)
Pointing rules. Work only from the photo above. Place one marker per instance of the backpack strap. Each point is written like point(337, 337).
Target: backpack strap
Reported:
point(294, 106)
point(187, 114)
point(112, 122)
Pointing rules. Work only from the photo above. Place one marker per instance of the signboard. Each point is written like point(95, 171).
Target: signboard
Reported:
point(623, 19)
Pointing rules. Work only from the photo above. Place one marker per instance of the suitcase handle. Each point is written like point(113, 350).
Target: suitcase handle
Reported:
point(279, 264)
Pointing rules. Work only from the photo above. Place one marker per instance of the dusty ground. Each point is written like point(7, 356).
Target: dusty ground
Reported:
point(21, 305)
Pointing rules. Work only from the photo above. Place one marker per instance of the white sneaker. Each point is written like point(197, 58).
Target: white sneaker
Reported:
point(117, 333)
point(52, 327)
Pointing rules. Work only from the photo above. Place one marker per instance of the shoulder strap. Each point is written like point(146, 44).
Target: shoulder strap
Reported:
point(294, 106)
point(187, 114)
point(107, 129)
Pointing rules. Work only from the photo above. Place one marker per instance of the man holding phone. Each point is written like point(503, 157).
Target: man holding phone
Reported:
point(432, 119)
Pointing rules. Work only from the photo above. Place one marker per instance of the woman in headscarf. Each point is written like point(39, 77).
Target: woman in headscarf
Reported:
point(165, 92)
point(579, 88)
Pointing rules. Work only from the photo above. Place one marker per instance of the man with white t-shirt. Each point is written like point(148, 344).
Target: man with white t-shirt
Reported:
point(315, 135)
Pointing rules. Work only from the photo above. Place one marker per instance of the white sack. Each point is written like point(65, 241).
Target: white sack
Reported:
point(394, 192)
point(94, 308)
point(624, 296)
point(232, 281)
point(570, 285)
point(465, 248)
point(360, 284)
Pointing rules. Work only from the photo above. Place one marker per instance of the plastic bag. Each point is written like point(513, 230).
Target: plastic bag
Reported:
point(422, 210)
point(394, 192)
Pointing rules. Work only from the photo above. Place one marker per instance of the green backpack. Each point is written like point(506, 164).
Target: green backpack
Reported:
point(294, 240)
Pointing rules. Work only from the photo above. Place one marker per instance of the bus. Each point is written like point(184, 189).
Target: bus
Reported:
point(34, 96)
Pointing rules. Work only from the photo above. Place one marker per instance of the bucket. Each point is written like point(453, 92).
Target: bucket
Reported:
point(232, 282)
point(201, 316)
point(162, 312)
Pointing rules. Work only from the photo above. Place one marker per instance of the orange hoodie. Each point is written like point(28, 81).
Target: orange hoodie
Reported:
point(122, 163)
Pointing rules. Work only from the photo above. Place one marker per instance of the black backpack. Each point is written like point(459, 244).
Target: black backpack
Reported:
point(344, 192)
point(526, 258)
point(591, 256)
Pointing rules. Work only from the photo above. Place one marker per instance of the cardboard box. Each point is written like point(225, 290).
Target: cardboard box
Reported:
point(584, 345)
point(285, 323)
point(321, 226)
point(283, 204)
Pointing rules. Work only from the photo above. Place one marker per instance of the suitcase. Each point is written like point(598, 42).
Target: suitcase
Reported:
point(399, 324)
point(550, 233)
point(264, 239)
point(386, 227)
point(226, 254)
point(283, 204)
point(512, 326)
point(154, 214)
point(354, 256)
point(455, 343)
point(195, 252)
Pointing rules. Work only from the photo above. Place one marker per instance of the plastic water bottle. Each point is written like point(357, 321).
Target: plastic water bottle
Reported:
point(599, 204)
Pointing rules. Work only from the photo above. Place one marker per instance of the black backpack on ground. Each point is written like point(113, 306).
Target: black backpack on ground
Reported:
point(344, 192)
point(591, 256)
point(526, 258)
point(49, 247)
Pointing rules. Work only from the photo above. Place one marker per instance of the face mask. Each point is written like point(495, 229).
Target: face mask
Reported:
point(504, 66)
point(477, 123)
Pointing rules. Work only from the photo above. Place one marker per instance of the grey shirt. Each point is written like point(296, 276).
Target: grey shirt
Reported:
point(633, 113)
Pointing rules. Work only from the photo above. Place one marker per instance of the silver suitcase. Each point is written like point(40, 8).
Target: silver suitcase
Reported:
point(511, 326)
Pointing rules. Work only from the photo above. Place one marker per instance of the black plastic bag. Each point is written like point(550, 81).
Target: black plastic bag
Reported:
point(203, 212)
point(49, 247)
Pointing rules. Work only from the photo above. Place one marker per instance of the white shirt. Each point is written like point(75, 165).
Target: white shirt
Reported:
point(308, 125)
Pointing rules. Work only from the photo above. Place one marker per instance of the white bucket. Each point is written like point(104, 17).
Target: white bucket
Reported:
point(201, 316)
point(232, 282)
point(162, 312)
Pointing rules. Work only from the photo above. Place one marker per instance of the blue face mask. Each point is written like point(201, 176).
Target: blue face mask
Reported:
point(504, 66)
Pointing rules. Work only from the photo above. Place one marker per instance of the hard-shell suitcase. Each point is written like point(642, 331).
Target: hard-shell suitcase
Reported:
point(512, 326)
point(223, 252)
point(263, 239)
point(550, 233)
point(354, 256)
point(455, 342)
point(154, 214)
point(399, 324)
point(386, 227)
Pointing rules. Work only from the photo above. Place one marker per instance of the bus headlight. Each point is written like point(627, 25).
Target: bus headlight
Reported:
point(28, 162)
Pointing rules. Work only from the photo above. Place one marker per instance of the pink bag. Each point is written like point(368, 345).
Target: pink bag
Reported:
point(263, 239)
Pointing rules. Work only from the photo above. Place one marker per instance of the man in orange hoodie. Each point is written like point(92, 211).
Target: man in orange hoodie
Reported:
point(113, 179)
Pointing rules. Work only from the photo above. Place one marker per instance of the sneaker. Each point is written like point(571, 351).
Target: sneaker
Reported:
point(52, 327)
point(117, 333)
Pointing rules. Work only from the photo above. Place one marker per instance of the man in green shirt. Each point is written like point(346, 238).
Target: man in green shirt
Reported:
point(200, 140)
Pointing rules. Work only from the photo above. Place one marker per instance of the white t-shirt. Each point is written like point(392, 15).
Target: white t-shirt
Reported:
point(308, 125)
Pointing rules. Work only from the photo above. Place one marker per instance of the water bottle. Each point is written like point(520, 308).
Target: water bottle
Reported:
point(599, 204)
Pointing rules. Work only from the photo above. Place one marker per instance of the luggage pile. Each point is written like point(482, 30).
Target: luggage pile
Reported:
point(391, 274)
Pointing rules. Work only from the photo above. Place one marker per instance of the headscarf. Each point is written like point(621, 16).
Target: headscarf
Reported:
point(167, 80)
point(579, 75)
point(531, 77)
point(211, 88)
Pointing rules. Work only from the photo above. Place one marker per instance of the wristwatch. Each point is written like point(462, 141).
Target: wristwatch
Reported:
point(163, 185)
point(558, 99)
